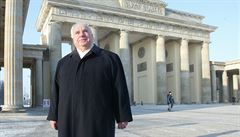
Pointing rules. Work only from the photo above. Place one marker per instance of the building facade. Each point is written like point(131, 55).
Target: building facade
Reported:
point(225, 78)
point(161, 49)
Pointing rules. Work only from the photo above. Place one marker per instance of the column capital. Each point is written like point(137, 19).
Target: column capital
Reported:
point(160, 35)
point(123, 30)
point(55, 22)
point(206, 42)
point(185, 39)
point(225, 73)
point(94, 26)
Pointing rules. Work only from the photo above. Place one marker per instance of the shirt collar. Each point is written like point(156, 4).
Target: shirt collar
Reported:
point(83, 53)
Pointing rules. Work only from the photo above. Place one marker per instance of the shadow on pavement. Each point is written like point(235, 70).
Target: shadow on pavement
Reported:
point(151, 109)
point(220, 134)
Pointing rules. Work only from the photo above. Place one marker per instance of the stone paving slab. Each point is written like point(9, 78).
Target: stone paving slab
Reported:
point(205, 120)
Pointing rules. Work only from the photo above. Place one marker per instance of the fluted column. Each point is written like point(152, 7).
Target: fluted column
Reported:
point(238, 93)
point(54, 42)
point(1, 90)
point(33, 85)
point(225, 87)
point(214, 86)
point(206, 84)
point(13, 52)
point(125, 55)
point(39, 82)
point(95, 34)
point(185, 76)
point(46, 80)
point(161, 70)
point(235, 85)
point(46, 87)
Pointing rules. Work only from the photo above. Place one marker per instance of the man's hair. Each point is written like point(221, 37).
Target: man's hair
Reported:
point(80, 24)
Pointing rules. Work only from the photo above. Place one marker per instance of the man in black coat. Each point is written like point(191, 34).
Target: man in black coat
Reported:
point(89, 90)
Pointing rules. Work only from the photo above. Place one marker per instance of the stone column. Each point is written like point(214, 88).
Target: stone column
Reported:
point(39, 82)
point(13, 56)
point(225, 87)
point(54, 43)
point(125, 55)
point(1, 90)
point(95, 34)
point(33, 85)
point(185, 76)
point(238, 93)
point(235, 86)
point(206, 84)
point(161, 70)
point(46, 87)
point(214, 86)
point(46, 80)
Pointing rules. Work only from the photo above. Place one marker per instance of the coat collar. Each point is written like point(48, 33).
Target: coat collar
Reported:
point(94, 51)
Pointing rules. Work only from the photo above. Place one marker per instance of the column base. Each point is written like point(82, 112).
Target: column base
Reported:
point(13, 109)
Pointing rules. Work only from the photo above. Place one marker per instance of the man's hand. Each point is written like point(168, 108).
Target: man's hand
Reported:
point(122, 125)
point(53, 124)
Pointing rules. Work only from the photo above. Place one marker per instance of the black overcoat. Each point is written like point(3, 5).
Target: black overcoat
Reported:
point(89, 94)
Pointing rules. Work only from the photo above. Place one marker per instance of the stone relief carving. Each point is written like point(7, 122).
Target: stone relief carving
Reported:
point(145, 6)
point(140, 23)
point(142, 67)
point(141, 52)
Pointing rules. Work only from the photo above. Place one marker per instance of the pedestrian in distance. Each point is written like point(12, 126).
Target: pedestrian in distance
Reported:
point(233, 100)
point(170, 101)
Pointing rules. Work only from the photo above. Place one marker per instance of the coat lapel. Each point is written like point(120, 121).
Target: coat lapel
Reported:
point(75, 56)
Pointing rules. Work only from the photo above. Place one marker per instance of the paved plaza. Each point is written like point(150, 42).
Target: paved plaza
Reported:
point(211, 120)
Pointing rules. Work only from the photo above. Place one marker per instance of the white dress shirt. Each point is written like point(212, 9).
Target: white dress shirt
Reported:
point(83, 53)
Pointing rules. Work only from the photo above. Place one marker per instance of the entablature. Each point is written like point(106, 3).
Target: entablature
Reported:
point(34, 51)
point(118, 18)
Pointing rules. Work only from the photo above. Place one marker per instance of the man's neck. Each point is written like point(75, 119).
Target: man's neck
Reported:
point(84, 48)
point(83, 52)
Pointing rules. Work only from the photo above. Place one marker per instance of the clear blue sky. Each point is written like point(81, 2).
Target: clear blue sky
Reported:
point(224, 14)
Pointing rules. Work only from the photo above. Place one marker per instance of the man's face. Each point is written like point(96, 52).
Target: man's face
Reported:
point(82, 37)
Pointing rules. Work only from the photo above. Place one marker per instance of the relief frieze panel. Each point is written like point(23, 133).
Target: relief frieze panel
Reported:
point(127, 21)
point(144, 6)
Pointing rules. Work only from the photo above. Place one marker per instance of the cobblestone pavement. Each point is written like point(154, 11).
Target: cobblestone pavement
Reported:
point(205, 120)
